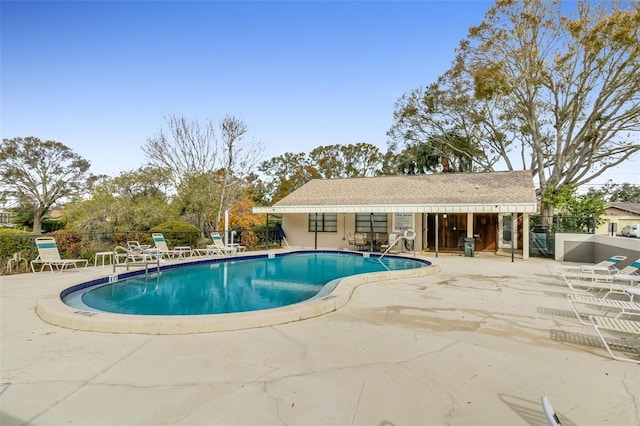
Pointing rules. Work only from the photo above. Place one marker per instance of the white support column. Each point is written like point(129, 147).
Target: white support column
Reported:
point(525, 235)
point(226, 227)
point(469, 225)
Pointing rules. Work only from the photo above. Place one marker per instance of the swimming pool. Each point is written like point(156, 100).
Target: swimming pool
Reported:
point(328, 294)
point(250, 284)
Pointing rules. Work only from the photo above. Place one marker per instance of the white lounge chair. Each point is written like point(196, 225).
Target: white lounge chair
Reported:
point(630, 269)
point(629, 273)
point(606, 266)
point(163, 249)
point(622, 307)
point(218, 246)
point(620, 326)
point(596, 283)
point(48, 255)
point(140, 252)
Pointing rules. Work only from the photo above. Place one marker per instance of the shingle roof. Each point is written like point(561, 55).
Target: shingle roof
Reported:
point(495, 188)
point(633, 208)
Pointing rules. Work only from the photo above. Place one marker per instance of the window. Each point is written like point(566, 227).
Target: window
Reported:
point(506, 229)
point(403, 221)
point(364, 222)
point(323, 222)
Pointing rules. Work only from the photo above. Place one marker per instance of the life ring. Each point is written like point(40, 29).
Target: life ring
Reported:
point(409, 234)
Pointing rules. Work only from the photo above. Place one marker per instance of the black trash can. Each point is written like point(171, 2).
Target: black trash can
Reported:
point(469, 247)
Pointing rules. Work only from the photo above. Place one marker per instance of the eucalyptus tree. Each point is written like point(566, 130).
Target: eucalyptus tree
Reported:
point(36, 174)
point(557, 93)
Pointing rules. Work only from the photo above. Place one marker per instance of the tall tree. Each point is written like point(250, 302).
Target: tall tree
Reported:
point(610, 191)
point(448, 153)
point(286, 173)
point(197, 201)
point(443, 121)
point(191, 150)
point(344, 161)
point(134, 200)
point(239, 158)
point(186, 148)
point(562, 91)
point(38, 174)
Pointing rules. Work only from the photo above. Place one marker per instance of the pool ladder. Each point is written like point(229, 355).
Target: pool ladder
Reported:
point(130, 258)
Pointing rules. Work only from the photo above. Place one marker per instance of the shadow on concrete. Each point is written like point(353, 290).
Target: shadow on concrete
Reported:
point(9, 420)
point(563, 313)
point(531, 411)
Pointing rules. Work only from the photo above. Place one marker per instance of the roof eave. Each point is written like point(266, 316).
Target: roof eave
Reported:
point(415, 208)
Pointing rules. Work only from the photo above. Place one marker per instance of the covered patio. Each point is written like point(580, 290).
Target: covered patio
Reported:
point(442, 209)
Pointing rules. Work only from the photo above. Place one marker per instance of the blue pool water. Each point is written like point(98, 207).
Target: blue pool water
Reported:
point(235, 285)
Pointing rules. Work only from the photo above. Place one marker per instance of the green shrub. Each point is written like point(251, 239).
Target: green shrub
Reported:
point(14, 241)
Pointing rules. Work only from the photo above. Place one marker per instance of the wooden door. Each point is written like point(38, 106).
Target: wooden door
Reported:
point(485, 229)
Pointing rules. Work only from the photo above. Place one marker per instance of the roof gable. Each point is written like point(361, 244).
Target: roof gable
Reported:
point(632, 208)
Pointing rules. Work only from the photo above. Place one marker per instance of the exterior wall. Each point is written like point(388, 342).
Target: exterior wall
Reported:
point(296, 227)
point(589, 248)
point(620, 218)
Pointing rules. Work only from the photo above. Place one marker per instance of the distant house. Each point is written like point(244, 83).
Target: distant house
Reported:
point(55, 214)
point(442, 210)
point(620, 214)
point(6, 218)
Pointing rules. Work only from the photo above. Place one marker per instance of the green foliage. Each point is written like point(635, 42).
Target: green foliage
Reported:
point(37, 174)
point(444, 153)
point(197, 200)
point(346, 161)
point(24, 219)
point(577, 213)
point(624, 193)
point(288, 172)
point(14, 241)
point(134, 200)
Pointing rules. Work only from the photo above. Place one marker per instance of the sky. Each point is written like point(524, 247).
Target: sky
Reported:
point(101, 76)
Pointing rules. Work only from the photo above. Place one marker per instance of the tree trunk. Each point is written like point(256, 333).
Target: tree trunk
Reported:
point(37, 221)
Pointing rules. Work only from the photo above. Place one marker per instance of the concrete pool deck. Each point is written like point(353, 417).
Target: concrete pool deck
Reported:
point(477, 343)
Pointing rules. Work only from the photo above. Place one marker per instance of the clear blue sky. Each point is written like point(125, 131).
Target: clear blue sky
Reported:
point(100, 76)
